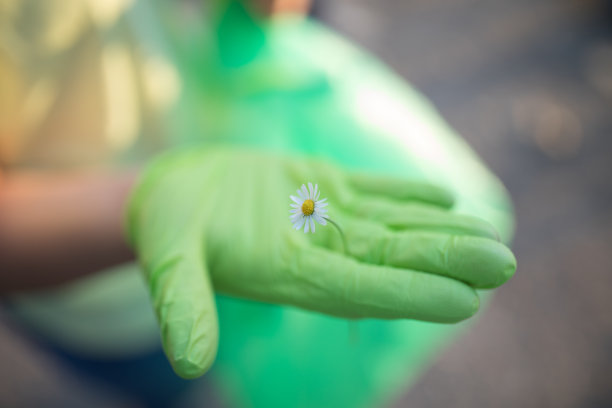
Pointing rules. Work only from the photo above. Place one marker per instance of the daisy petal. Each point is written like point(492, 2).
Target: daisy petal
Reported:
point(319, 219)
point(299, 223)
point(323, 217)
point(308, 191)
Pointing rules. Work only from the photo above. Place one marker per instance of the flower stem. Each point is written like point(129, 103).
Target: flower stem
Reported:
point(344, 244)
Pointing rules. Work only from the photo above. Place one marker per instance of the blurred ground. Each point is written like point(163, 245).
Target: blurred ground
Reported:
point(529, 85)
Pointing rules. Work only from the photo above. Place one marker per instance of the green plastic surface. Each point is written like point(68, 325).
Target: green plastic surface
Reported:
point(295, 87)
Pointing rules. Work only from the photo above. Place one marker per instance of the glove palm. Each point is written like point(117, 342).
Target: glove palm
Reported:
point(219, 218)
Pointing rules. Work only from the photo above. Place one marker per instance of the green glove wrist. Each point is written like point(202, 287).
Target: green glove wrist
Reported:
point(217, 218)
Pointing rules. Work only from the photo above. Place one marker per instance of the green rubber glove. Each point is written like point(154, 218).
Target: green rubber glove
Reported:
point(218, 219)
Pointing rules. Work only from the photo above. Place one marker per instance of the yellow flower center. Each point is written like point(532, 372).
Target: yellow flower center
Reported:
point(308, 207)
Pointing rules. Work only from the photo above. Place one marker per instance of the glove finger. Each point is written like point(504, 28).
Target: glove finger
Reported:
point(335, 284)
point(480, 262)
point(415, 216)
point(184, 303)
point(400, 189)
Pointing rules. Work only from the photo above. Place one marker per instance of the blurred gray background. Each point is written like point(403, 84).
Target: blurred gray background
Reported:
point(529, 86)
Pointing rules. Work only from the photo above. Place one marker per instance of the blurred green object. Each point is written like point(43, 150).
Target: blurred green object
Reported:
point(295, 87)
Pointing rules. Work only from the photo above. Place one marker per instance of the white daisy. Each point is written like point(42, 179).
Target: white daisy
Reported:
point(307, 208)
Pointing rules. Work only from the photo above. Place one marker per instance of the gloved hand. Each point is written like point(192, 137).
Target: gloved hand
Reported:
point(219, 218)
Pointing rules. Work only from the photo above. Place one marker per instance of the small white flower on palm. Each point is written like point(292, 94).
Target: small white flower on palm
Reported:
point(307, 208)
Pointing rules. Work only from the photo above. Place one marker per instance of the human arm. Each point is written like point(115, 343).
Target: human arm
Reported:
point(59, 226)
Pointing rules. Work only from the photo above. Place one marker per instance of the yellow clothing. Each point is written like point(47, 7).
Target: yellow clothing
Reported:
point(77, 90)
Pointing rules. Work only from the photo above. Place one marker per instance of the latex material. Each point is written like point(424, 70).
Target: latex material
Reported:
point(221, 216)
point(305, 89)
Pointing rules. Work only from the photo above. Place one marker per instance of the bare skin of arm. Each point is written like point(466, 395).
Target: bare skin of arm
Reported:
point(58, 227)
